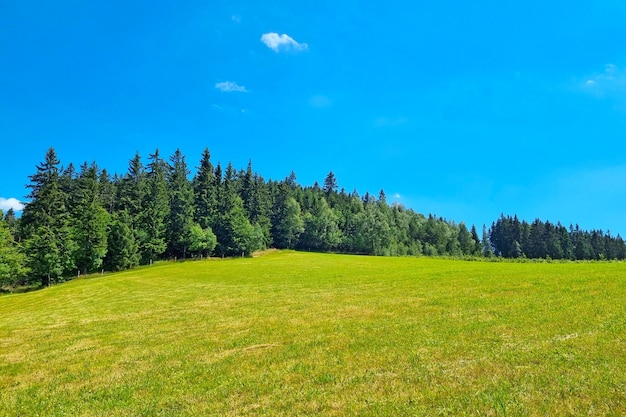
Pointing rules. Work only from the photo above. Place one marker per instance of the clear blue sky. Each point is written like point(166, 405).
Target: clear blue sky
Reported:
point(461, 109)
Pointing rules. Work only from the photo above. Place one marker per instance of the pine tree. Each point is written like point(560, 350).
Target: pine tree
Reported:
point(205, 193)
point(477, 251)
point(107, 191)
point(12, 223)
point(131, 192)
point(330, 183)
point(122, 249)
point(152, 228)
point(46, 256)
point(465, 240)
point(45, 224)
point(486, 244)
point(89, 221)
point(181, 206)
point(236, 235)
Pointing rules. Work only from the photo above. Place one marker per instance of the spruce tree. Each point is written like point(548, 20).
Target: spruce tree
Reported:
point(152, 225)
point(486, 243)
point(205, 193)
point(330, 183)
point(89, 221)
point(181, 206)
point(122, 249)
point(45, 224)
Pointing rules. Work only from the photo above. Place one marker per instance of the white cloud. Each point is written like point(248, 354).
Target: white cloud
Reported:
point(397, 196)
point(282, 42)
point(235, 18)
point(8, 203)
point(231, 87)
point(610, 83)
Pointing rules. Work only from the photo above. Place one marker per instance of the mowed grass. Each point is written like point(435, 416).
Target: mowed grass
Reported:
point(292, 333)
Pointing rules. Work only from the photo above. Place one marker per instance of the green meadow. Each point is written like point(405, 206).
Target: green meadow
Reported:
point(290, 333)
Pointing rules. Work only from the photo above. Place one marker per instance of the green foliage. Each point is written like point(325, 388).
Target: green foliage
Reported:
point(201, 241)
point(46, 255)
point(511, 239)
point(49, 240)
point(321, 232)
point(237, 236)
point(205, 192)
point(12, 260)
point(90, 222)
point(181, 211)
point(123, 250)
point(287, 223)
point(152, 225)
point(330, 183)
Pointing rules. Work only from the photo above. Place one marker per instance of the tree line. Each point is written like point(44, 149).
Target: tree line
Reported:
point(512, 238)
point(83, 220)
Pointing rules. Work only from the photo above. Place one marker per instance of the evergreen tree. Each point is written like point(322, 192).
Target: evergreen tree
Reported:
point(46, 259)
point(237, 235)
point(12, 223)
point(477, 251)
point(205, 193)
point(181, 206)
point(89, 221)
point(45, 223)
point(382, 197)
point(131, 191)
point(330, 183)
point(466, 242)
point(486, 243)
point(152, 229)
point(122, 249)
point(107, 191)
point(537, 244)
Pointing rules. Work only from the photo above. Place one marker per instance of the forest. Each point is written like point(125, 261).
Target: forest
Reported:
point(79, 221)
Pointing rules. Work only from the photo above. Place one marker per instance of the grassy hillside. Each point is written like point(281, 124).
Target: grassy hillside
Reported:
point(308, 334)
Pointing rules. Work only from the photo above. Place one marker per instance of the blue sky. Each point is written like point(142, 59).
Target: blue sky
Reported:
point(461, 109)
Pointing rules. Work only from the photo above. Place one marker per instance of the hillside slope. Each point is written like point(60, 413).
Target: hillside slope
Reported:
point(293, 333)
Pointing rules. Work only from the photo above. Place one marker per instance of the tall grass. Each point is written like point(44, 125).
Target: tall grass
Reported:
point(308, 334)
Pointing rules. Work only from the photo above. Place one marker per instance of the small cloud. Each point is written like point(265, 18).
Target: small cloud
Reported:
point(610, 83)
point(320, 101)
point(236, 18)
point(230, 87)
point(11, 203)
point(397, 196)
point(282, 42)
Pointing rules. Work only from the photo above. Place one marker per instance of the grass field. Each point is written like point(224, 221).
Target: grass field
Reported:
point(292, 333)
